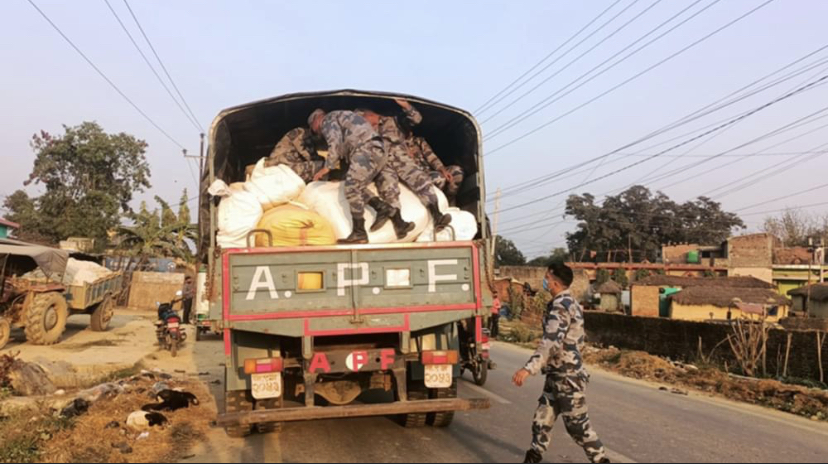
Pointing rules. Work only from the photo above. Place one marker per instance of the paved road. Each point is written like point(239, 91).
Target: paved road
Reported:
point(638, 423)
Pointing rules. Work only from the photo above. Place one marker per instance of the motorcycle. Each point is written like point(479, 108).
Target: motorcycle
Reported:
point(474, 357)
point(168, 329)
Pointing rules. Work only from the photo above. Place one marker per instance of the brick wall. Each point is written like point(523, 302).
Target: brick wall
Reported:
point(531, 274)
point(676, 254)
point(645, 301)
point(750, 251)
point(679, 340)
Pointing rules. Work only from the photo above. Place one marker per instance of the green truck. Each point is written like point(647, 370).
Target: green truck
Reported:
point(344, 331)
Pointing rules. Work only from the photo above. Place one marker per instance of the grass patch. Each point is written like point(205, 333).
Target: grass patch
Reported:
point(24, 433)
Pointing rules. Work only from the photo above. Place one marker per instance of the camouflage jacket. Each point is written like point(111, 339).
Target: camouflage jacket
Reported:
point(559, 352)
point(423, 155)
point(390, 130)
point(345, 131)
point(294, 147)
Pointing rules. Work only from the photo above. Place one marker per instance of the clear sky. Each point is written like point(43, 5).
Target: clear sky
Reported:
point(223, 53)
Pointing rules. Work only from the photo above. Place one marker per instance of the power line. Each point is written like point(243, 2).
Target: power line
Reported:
point(578, 58)
point(727, 124)
point(104, 76)
point(702, 112)
point(483, 107)
point(163, 67)
point(784, 197)
point(152, 68)
point(642, 73)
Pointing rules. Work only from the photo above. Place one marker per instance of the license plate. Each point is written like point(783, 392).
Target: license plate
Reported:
point(266, 386)
point(173, 325)
point(438, 376)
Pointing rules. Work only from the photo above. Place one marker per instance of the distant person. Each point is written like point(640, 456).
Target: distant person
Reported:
point(494, 322)
point(559, 357)
point(188, 293)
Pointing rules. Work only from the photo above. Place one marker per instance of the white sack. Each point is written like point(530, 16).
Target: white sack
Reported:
point(238, 213)
point(463, 227)
point(274, 186)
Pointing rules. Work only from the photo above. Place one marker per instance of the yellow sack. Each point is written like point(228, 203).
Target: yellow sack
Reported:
point(295, 225)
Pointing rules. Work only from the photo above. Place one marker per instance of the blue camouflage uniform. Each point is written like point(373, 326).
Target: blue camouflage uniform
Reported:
point(559, 357)
point(351, 138)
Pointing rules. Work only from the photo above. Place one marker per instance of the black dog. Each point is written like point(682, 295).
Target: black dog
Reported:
point(172, 400)
point(155, 418)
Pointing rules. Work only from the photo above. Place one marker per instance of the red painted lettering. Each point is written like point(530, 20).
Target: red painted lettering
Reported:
point(320, 361)
point(360, 359)
point(387, 358)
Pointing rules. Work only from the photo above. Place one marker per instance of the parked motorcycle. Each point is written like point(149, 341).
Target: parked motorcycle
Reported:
point(474, 356)
point(168, 329)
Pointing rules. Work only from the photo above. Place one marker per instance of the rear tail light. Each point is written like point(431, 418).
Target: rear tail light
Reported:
point(439, 357)
point(263, 366)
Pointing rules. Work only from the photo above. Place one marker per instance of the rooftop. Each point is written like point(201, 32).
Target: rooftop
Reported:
point(12, 225)
point(609, 287)
point(818, 292)
point(723, 296)
point(681, 281)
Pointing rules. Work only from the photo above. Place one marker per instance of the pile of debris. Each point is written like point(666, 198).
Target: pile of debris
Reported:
point(808, 402)
point(148, 417)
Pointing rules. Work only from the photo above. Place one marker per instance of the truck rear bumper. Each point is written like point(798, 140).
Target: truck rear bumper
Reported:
point(354, 410)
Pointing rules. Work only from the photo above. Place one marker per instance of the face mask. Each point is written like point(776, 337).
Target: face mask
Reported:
point(545, 284)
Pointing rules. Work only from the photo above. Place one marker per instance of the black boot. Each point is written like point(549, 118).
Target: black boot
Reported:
point(440, 220)
point(358, 234)
point(384, 213)
point(401, 227)
point(533, 456)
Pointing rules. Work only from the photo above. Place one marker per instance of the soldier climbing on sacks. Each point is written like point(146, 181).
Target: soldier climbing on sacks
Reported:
point(559, 357)
point(296, 151)
point(446, 178)
point(351, 138)
point(409, 173)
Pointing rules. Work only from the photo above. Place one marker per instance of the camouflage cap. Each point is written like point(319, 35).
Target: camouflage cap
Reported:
point(312, 117)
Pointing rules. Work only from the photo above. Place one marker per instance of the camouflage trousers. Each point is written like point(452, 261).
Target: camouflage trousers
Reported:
point(411, 175)
point(368, 164)
point(450, 188)
point(303, 168)
point(565, 397)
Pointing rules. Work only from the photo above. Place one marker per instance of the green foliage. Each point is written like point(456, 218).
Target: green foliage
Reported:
point(620, 277)
point(602, 277)
point(89, 178)
point(159, 234)
point(507, 253)
point(642, 274)
point(642, 221)
point(558, 255)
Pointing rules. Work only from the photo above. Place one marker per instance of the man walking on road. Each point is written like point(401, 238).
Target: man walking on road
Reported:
point(188, 293)
point(559, 357)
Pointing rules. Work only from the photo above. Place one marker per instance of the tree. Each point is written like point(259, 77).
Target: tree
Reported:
point(794, 227)
point(601, 277)
point(159, 234)
point(507, 253)
point(620, 277)
point(558, 255)
point(89, 178)
point(633, 225)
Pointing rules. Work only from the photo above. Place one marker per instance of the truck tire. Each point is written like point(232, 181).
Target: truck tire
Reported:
point(411, 421)
point(442, 419)
point(102, 314)
point(237, 401)
point(268, 427)
point(46, 318)
point(5, 332)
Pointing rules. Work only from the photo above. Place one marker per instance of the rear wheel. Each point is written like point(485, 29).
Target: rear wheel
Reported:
point(481, 373)
point(174, 347)
point(442, 419)
point(238, 401)
point(46, 318)
point(5, 332)
point(102, 314)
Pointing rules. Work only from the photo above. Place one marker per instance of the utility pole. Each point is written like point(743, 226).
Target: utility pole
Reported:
point(494, 226)
point(810, 271)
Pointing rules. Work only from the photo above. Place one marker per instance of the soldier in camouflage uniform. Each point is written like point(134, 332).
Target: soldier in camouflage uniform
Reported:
point(559, 357)
point(409, 173)
point(445, 178)
point(351, 138)
point(296, 151)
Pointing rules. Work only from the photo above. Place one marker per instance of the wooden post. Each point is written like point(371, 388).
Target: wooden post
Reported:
point(820, 341)
point(787, 355)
